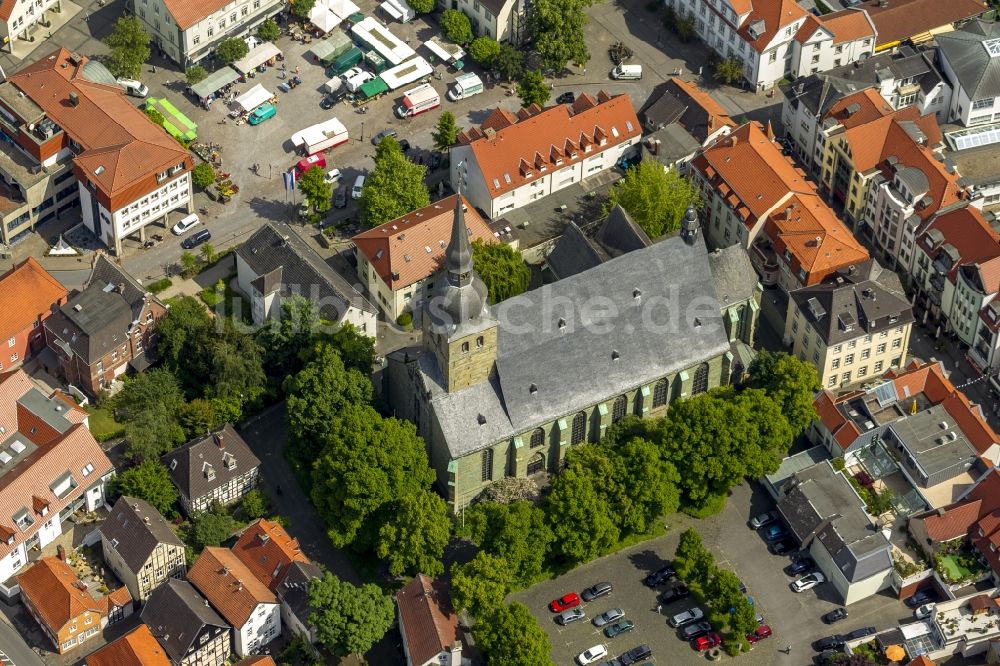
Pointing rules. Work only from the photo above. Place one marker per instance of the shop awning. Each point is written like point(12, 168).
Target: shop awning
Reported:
point(324, 19)
point(253, 98)
point(327, 50)
point(390, 9)
point(373, 87)
point(175, 122)
point(215, 82)
point(257, 57)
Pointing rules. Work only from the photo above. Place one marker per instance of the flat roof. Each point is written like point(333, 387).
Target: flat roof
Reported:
point(935, 449)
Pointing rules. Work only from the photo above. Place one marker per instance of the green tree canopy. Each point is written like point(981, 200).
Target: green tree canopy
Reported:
point(286, 340)
point(146, 390)
point(129, 44)
point(395, 187)
point(302, 8)
point(501, 268)
point(232, 49)
point(254, 504)
point(195, 74)
point(149, 481)
point(728, 70)
point(483, 50)
point(414, 537)
point(789, 381)
point(480, 585)
point(268, 30)
point(422, 6)
point(152, 433)
point(199, 417)
point(356, 350)
point(649, 485)
point(348, 619)
point(557, 26)
point(694, 562)
point(203, 175)
point(581, 521)
point(655, 198)
point(212, 527)
point(509, 636)
point(517, 532)
point(315, 189)
point(509, 62)
point(456, 26)
point(532, 89)
point(445, 134)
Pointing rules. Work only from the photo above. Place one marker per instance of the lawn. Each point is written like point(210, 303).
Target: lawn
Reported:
point(955, 571)
point(103, 424)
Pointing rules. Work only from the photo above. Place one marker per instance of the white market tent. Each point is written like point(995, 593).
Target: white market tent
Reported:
point(328, 14)
point(399, 10)
point(386, 44)
point(257, 57)
point(253, 98)
point(410, 71)
point(443, 53)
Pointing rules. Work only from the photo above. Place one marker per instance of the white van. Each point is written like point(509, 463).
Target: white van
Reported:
point(627, 72)
point(133, 87)
point(466, 85)
point(359, 184)
point(357, 80)
point(185, 225)
point(421, 99)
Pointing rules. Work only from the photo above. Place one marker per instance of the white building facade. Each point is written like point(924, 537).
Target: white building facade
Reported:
point(263, 626)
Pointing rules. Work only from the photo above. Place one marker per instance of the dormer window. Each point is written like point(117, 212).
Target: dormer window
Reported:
point(208, 471)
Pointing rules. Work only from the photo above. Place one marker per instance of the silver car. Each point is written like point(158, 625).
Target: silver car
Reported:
point(608, 616)
point(687, 617)
point(570, 616)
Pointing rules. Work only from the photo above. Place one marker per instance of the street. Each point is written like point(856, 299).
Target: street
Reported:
point(14, 651)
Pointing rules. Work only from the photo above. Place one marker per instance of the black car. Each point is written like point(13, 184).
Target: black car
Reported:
point(660, 576)
point(377, 139)
point(434, 161)
point(340, 199)
point(827, 657)
point(783, 547)
point(691, 631)
point(861, 632)
point(566, 98)
point(404, 145)
point(197, 239)
point(635, 655)
point(329, 101)
point(800, 566)
point(596, 591)
point(836, 615)
point(922, 597)
point(679, 591)
point(834, 642)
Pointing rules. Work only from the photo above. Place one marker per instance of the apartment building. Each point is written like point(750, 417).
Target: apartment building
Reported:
point(26, 20)
point(74, 139)
point(140, 547)
point(136, 648)
point(851, 330)
point(28, 295)
point(832, 40)
point(219, 467)
point(187, 627)
point(50, 468)
point(916, 21)
point(503, 20)
point(428, 623)
point(513, 159)
point(187, 31)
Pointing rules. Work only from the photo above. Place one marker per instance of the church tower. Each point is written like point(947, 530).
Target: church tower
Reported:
point(458, 325)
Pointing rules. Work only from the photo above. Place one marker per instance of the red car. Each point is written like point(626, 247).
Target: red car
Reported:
point(707, 642)
point(760, 633)
point(565, 602)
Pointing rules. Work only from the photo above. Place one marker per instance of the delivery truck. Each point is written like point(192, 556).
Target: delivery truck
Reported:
point(465, 86)
point(418, 100)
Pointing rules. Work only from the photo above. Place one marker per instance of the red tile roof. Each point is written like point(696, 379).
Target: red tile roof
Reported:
point(188, 12)
point(896, 20)
point(256, 660)
point(716, 115)
point(514, 149)
point(228, 585)
point(429, 622)
point(921, 661)
point(136, 648)
point(51, 586)
point(848, 25)
point(776, 15)
point(27, 293)
point(953, 521)
point(966, 230)
point(267, 550)
point(842, 429)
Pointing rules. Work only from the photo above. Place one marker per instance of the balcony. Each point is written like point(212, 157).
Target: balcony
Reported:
point(937, 281)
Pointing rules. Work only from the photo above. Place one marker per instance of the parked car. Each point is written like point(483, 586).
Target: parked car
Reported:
point(340, 199)
point(590, 655)
point(783, 547)
point(331, 100)
point(924, 612)
point(565, 602)
point(196, 239)
point(834, 642)
point(763, 519)
point(776, 533)
point(808, 582)
point(262, 113)
point(359, 184)
point(707, 642)
point(622, 626)
point(759, 634)
point(836, 615)
point(861, 632)
point(608, 616)
point(635, 655)
point(926, 595)
point(678, 591)
point(185, 225)
point(800, 566)
point(434, 161)
point(827, 657)
point(332, 177)
point(404, 145)
point(351, 73)
point(566, 98)
point(377, 139)
point(596, 591)
point(687, 617)
point(660, 576)
point(570, 616)
point(694, 630)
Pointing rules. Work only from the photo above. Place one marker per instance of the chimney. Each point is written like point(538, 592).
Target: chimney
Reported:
point(121, 287)
point(146, 520)
point(239, 585)
point(74, 99)
point(732, 140)
point(220, 440)
point(788, 213)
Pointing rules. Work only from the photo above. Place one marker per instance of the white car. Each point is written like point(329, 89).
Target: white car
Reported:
point(351, 73)
point(359, 184)
point(924, 612)
point(687, 617)
point(332, 177)
point(808, 582)
point(591, 655)
point(185, 225)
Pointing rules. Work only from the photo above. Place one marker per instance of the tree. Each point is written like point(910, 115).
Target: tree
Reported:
point(189, 262)
point(348, 619)
point(502, 270)
point(395, 187)
point(557, 26)
point(146, 390)
point(481, 584)
point(181, 334)
point(483, 50)
point(235, 366)
point(445, 134)
point(456, 26)
point(302, 8)
point(203, 175)
point(129, 44)
point(255, 504)
point(287, 339)
point(268, 30)
point(356, 350)
point(728, 70)
point(649, 483)
point(509, 636)
point(422, 6)
point(581, 522)
point(152, 433)
point(694, 562)
point(154, 115)
point(315, 189)
point(212, 527)
point(195, 74)
point(199, 417)
point(369, 465)
point(509, 62)
point(789, 381)
point(655, 198)
point(516, 532)
point(414, 538)
point(532, 89)
point(232, 49)
point(149, 481)
point(208, 254)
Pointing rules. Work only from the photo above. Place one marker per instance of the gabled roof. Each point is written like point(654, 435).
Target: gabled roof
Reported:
point(51, 586)
point(105, 271)
point(229, 585)
point(136, 648)
point(429, 621)
point(767, 19)
point(966, 231)
point(256, 660)
point(690, 106)
point(847, 25)
point(267, 550)
point(134, 530)
point(411, 248)
point(953, 521)
point(512, 150)
point(865, 305)
point(186, 13)
point(293, 590)
point(176, 614)
point(976, 68)
point(200, 466)
point(27, 293)
point(733, 275)
point(896, 20)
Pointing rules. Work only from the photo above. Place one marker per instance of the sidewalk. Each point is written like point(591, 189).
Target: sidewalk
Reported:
point(204, 280)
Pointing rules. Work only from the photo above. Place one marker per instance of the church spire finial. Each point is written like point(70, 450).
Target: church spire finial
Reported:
point(458, 257)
